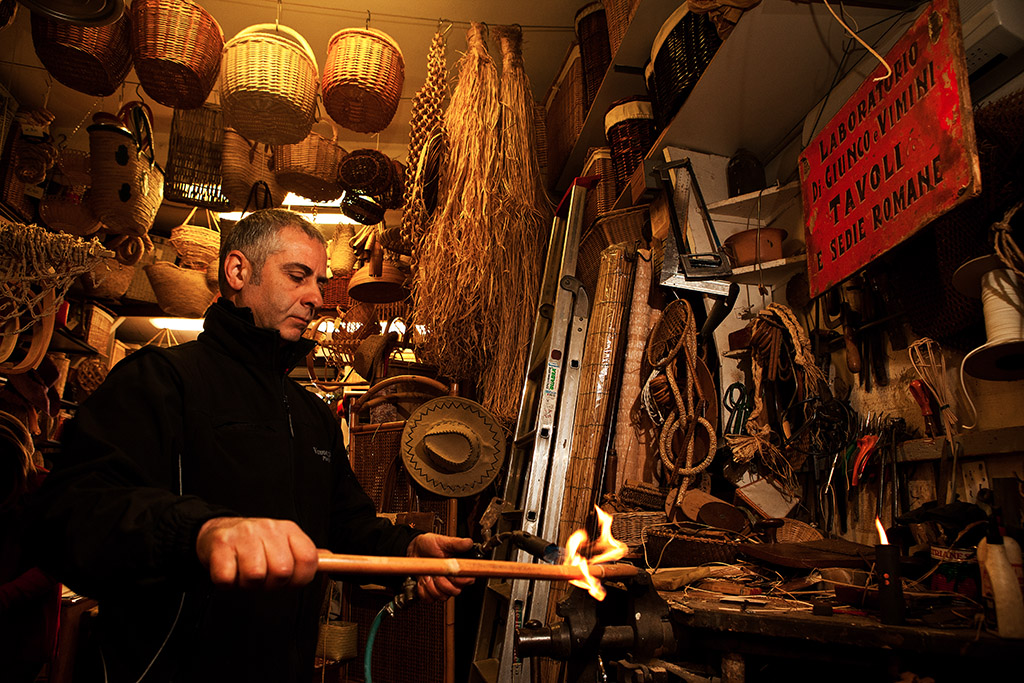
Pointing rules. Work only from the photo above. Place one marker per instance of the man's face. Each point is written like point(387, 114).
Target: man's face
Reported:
point(288, 292)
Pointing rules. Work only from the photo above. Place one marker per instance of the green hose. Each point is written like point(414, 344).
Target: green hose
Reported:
point(368, 656)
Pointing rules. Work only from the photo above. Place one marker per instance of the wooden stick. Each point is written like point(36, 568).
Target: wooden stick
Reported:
point(453, 566)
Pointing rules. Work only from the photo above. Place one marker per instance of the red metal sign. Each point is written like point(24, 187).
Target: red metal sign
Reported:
point(899, 154)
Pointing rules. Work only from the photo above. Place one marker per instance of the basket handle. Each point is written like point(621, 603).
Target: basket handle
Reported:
point(268, 204)
point(289, 33)
point(137, 116)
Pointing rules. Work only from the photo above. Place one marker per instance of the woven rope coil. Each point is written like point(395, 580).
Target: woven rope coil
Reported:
point(91, 59)
point(363, 79)
point(176, 46)
point(243, 164)
point(309, 168)
point(195, 157)
point(269, 79)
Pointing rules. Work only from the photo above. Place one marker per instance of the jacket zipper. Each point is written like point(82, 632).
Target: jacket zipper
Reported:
point(288, 413)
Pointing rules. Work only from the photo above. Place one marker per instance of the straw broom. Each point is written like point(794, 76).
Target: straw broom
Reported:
point(455, 276)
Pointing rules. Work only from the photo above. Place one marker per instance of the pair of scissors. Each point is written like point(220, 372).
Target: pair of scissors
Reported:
point(737, 402)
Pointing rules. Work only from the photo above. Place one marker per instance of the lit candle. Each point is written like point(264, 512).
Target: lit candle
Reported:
point(890, 588)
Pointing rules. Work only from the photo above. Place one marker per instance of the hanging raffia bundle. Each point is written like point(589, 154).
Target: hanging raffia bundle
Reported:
point(425, 135)
point(520, 234)
point(456, 280)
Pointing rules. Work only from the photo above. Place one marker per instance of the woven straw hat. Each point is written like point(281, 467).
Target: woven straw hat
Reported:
point(452, 446)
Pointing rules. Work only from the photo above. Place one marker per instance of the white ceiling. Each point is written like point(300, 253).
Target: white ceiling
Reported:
point(547, 27)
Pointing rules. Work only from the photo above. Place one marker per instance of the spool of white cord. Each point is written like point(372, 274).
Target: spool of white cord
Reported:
point(1001, 358)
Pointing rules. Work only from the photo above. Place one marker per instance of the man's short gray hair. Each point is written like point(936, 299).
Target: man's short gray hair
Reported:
point(256, 236)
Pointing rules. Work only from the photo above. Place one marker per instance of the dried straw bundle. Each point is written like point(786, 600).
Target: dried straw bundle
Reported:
point(426, 126)
point(520, 235)
point(456, 280)
point(34, 263)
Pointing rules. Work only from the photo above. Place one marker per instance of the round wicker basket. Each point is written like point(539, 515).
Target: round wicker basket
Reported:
point(363, 79)
point(91, 59)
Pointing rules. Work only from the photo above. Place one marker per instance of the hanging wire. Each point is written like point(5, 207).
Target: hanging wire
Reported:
point(880, 58)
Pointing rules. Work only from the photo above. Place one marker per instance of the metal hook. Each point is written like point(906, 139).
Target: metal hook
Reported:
point(367, 20)
point(138, 93)
point(277, 19)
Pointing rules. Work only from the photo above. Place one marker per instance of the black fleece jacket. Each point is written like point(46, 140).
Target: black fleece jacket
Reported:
point(175, 437)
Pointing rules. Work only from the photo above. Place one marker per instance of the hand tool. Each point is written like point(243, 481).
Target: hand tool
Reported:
point(919, 390)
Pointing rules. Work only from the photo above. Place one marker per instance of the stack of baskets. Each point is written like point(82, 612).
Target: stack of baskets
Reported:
point(245, 165)
point(309, 168)
point(565, 113)
point(680, 53)
point(629, 127)
point(269, 80)
point(595, 52)
point(91, 59)
point(194, 158)
point(176, 45)
point(363, 79)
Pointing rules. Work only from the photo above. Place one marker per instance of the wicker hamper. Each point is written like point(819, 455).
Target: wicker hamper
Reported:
point(629, 127)
point(176, 46)
point(269, 79)
point(595, 52)
point(565, 113)
point(91, 59)
point(680, 53)
point(194, 157)
point(309, 168)
point(363, 79)
point(618, 13)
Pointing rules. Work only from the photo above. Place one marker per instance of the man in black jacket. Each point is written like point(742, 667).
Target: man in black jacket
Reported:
point(196, 484)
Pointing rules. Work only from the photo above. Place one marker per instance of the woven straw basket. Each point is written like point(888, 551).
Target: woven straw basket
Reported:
point(176, 45)
point(195, 157)
point(108, 279)
point(197, 246)
point(363, 79)
point(269, 80)
point(243, 164)
point(64, 208)
point(127, 185)
point(180, 292)
point(309, 168)
point(91, 59)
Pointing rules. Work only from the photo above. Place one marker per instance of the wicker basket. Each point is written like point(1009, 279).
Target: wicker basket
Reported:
point(363, 79)
point(336, 292)
point(595, 52)
point(565, 113)
point(243, 165)
point(269, 80)
point(309, 168)
point(680, 53)
point(176, 46)
point(371, 173)
point(90, 59)
point(629, 527)
point(108, 279)
point(666, 547)
point(602, 198)
point(65, 208)
point(613, 227)
point(618, 13)
point(194, 157)
point(197, 246)
point(795, 531)
point(127, 184)
point(629, 127)
point(180, 292)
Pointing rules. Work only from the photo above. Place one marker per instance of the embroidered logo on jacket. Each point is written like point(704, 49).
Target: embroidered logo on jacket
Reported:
point(324, 453)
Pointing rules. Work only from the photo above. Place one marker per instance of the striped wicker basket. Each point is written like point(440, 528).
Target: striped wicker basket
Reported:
point(565, 113)
point(595, 52)
point(309, 168)
point(194, 157)
point(176, 45)
point(243, 165)
point(91, 59)
point(629, 127)
point(269, 80)
point(680, 53)
point(363, 79)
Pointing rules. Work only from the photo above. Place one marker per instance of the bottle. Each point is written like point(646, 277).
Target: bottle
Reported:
point(1004, 602)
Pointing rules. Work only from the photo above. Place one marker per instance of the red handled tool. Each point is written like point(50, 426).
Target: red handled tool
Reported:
point(919, 390)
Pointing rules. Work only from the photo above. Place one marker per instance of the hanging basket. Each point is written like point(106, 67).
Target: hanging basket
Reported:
point(194, 158)
point(371, 173)
point(197, 246)
point(180, 292)
point(108, 279)
point(127, 184)
point(91, 59)
point(309, 168)
point(243, 165)
point(176, 46)
point(268, 84)
point(363, 79)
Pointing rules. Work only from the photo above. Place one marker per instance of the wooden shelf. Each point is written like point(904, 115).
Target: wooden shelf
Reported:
point(65, 341)
point(777, 270)
point(773, 201)
point(1004, 441)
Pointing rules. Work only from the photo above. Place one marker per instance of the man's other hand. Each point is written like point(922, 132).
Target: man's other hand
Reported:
point(254, 552)
point(433, 588)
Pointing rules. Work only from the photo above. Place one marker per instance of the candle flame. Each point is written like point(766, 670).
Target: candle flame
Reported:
point(605, 549)
point(883, 539)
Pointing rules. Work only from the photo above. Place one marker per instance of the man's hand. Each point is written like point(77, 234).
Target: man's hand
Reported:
point(432, 588)
point(254, 552)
